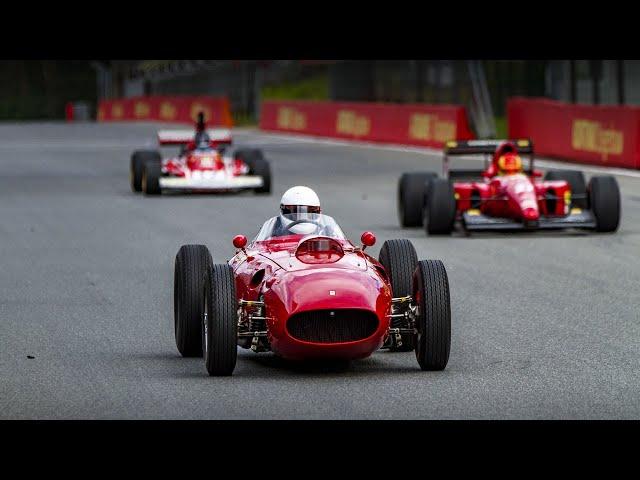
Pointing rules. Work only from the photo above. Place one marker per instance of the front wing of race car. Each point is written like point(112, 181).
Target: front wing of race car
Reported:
point(211, 184)
point(578, 218)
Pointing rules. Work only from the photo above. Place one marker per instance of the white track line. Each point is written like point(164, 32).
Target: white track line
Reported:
point(543, 162)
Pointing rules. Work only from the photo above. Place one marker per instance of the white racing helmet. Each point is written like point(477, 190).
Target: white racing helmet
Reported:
point(299, 203)
point(299, 200)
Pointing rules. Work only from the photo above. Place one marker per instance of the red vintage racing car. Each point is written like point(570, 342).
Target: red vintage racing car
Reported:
point(504, 195)
point(303, 291)
point(202, 165)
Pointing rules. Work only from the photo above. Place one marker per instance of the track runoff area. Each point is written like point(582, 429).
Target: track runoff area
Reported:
point(544, 324)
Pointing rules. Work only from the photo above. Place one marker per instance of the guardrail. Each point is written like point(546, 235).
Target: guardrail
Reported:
point(411, 124)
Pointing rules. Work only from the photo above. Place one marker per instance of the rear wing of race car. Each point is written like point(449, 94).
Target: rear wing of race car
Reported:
point(218, 136)
point(481, 147)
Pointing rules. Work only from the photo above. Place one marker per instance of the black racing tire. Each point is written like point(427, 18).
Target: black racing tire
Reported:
point(440, 209)
point(151, 173)
point(433, 322)
point(190, 270)
point(138, 159)
point(248, 154)
point(412, 188)
point(399, 259)
point(604, 199)
point(261, 168)
point(220, 332)
point(577, 183)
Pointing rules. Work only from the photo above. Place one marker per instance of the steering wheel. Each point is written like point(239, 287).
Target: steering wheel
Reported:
point(298, 222)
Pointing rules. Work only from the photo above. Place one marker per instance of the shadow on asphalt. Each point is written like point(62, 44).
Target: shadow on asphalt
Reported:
point(268, 365)
point(373, 365)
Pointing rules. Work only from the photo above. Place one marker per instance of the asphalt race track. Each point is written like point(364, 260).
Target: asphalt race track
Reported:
point(545, 325)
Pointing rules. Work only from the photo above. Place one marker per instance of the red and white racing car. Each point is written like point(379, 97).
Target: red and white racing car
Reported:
point(203, 164)
point(303, 291)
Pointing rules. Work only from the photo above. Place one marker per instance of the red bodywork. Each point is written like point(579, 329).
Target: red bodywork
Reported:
point(519, 196)
point(515, 196)
point(292, 277)
point(192, 161)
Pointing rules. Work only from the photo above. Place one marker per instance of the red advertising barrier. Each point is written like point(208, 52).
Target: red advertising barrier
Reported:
point(601, 135)
point(412, 124)
point(167, 109)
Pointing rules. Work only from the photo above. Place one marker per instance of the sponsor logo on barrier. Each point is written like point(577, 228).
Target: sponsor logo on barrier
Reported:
point(349, 122)
point(591, 136)
point(427, 127)
point(141, 110)
point(291, 119)
point(117, 111)
point(196, 108)
point(167, 111)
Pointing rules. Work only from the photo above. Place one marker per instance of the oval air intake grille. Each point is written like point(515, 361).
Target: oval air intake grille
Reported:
point(332, 326)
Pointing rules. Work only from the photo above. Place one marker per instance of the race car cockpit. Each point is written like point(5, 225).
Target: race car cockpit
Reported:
point(299, 224)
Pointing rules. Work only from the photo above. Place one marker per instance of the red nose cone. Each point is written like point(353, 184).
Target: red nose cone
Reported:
point(368, 239)
point(531, 214)
point(239, 241)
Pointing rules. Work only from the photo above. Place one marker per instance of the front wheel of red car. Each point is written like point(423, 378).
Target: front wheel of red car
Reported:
point(260, 167)
point(138, 159)
point(433, 319)
point(412, 190)
point(220, 321)
point(190, 270)
point(151, 173)
point(399, 259)
point(440, 209)
point(604, 199)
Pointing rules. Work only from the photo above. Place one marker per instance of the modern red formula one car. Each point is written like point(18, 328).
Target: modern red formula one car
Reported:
point(505, 196)
point(303, 291)
point(201, 166)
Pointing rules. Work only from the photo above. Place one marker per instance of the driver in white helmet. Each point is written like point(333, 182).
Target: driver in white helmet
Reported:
point(297, 203)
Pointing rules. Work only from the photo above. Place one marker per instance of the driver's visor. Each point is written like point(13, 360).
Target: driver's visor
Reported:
point(298, 209)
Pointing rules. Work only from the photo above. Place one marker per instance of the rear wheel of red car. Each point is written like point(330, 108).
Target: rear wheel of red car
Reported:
point(260, 167)
point(151, 173)
point(433, 322)
point(399, 259)
point(138, 160)
point(190, 270)
point(412, 188)
point(440, 209)
point(575, 179)
point(220, 321)
point(604, 198)
point(248, 154)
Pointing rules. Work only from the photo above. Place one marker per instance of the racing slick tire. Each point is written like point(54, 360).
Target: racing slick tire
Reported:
point(412, 188)
point(399, 259)
point(604, 199)
point(220, 325)
point(138, 159)
point(261, 168)
point(190, 270)
point(248, 154)
point(575, 179)
point(151, 174)
point(439, 212)
point(433, 322)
